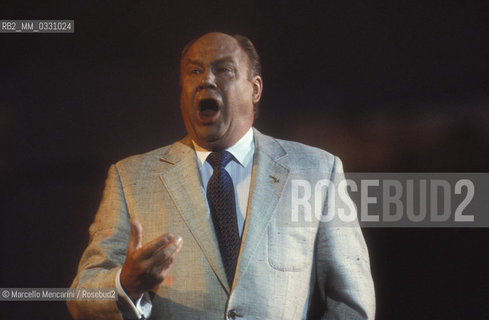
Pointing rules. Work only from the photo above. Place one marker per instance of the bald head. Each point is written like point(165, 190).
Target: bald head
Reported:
point(254, 64)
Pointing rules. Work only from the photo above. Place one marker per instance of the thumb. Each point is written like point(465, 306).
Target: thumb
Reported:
point(136, 240)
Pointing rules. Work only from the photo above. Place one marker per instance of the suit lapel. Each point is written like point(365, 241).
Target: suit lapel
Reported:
point(268, 180)
point(183, 182)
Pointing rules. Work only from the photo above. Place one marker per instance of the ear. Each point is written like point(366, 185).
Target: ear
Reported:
point(257, 84)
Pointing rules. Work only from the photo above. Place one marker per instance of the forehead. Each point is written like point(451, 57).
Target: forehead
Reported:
point(212, 47)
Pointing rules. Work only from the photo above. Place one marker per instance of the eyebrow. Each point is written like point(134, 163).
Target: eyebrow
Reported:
point(224, 59)
point(220, 60)
point(190, 61)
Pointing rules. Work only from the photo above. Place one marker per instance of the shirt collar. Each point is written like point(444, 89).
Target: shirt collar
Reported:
point(242, 150)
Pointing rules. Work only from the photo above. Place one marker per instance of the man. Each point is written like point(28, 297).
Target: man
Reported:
point(203, 228)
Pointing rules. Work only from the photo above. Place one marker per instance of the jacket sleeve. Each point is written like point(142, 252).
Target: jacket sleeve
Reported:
point(342, 262)
point(105, 254)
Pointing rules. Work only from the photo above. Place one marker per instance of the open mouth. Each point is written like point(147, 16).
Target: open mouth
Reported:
point(208, 108)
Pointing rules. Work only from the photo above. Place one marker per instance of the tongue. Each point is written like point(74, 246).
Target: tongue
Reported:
point(208, 113)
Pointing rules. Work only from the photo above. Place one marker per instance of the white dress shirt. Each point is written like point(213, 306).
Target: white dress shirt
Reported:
point(240, 169)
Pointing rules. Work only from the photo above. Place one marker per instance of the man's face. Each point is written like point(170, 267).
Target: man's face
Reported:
point(217, 94)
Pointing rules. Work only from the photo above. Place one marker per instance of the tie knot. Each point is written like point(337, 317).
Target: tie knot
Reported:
point(219, 159)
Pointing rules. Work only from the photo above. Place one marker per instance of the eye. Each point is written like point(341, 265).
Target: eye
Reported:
point(195, 71)
point(225, 70)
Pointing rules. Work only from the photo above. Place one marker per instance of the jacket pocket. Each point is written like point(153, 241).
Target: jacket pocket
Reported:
point(290, 248)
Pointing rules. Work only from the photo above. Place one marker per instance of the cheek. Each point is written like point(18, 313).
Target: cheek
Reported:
point(186, 98)
point(186, 92)
point(189, 86)
point(185, 106)
point(243, 98)
point(240, 91)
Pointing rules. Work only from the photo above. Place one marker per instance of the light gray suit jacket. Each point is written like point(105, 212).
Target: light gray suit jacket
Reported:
point(280, 261)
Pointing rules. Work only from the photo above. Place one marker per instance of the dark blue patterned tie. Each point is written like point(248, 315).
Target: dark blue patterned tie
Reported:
point(220, 195)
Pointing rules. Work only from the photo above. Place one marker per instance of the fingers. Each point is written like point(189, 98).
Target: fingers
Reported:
point(166, 255)
point(166, 258)
point(158, 252)
point(146, 266)
point(136, 240)
point(150, 249)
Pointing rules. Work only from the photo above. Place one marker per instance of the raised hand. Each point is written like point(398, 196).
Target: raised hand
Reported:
point(147, 266)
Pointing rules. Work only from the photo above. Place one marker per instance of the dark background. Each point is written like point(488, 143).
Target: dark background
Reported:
point(390, 86)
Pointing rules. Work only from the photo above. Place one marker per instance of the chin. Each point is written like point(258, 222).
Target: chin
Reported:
point(211, 132)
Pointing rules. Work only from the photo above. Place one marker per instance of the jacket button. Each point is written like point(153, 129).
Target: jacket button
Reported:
point(232, 314)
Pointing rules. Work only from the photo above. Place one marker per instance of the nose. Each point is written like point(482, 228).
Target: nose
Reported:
point(208, 80)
